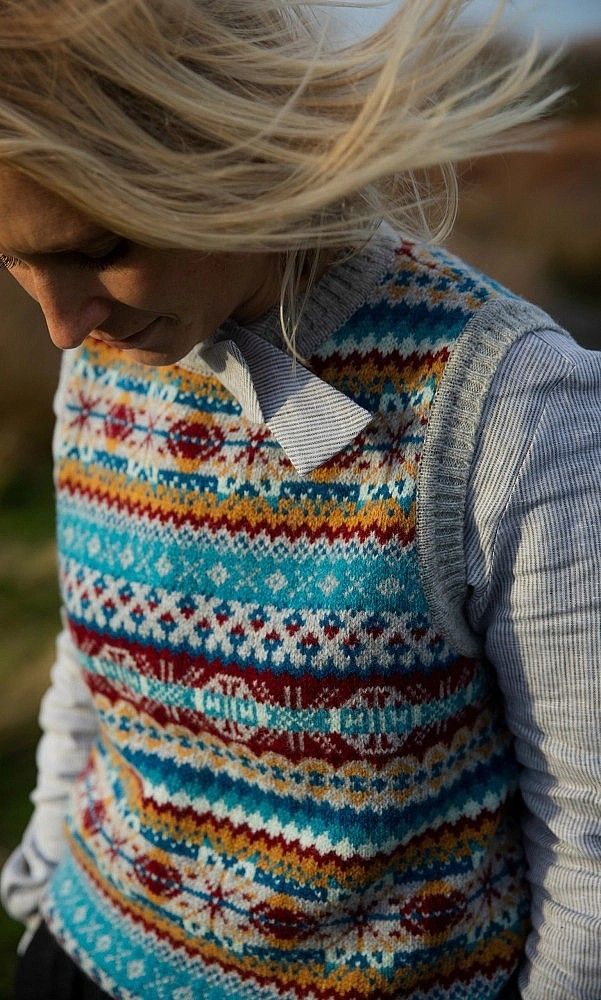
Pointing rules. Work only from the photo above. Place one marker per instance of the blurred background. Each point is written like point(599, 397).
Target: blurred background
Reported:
point(531, 220)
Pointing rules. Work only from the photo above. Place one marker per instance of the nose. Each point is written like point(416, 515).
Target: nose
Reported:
point(71, 312)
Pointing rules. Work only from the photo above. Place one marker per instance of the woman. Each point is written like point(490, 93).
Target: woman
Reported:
point(324, 717)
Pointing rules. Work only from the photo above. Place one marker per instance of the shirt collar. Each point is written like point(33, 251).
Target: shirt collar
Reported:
point(309, 418)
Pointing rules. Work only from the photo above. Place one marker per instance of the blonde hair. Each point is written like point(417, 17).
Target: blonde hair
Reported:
point(240, 125)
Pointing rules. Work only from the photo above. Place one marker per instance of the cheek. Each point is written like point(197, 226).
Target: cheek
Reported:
point(136, 288)
point(166, 289)
point(25, 280)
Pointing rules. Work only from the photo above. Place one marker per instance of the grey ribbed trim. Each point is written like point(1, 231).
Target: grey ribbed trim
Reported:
point(447, 459)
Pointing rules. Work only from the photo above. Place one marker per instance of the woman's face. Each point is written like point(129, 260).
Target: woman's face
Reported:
point(154, 304)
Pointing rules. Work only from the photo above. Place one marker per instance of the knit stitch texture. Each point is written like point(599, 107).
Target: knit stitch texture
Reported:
point(301, 789)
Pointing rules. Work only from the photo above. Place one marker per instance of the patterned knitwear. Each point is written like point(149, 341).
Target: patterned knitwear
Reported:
point(302, 788)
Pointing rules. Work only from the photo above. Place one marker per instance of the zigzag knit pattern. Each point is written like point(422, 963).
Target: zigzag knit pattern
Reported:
point(300, 790)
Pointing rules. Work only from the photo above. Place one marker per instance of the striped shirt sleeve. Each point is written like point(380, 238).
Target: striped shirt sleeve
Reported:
point(69, 725)
point(533, 551)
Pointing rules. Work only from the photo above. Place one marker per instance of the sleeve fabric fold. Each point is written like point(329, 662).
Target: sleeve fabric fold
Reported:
point(69, 726)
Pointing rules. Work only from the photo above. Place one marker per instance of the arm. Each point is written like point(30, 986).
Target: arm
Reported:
point(533, 542)
point(69, 723)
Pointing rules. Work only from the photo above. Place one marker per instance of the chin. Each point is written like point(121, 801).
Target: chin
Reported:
point(156, 359)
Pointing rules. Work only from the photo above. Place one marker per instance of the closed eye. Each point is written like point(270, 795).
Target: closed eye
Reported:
point(106, 260)
point(83, 261)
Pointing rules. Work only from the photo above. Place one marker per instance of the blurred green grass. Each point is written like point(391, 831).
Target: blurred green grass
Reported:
point(28, 623)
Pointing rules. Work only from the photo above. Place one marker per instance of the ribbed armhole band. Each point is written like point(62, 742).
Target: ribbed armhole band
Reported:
point(448, 454)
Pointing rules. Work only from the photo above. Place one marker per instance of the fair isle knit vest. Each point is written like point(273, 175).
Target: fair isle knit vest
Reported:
point(303, 785)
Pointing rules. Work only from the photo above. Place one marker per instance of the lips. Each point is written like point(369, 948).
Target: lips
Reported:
point(129, 338)
point(144, 329)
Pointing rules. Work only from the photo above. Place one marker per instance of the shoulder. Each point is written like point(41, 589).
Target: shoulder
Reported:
point(546, 391)
point(397, 298)
point(544, 373)
point(513, 376)
point(440, 312)
point(428, 325)
point(541, 418)
point(433, 287)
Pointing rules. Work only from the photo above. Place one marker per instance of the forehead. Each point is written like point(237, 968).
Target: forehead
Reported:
point(34, 220)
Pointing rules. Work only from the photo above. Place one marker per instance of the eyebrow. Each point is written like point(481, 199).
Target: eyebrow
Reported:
point(83, 245)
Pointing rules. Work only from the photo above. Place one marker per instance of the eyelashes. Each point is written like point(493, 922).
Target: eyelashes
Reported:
point(8, 262)
point(82, 261)
point(116, 254)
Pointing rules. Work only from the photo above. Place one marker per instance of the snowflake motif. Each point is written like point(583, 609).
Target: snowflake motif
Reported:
point(83, 409)
point(253, 451)
point(135, 969)
point(66, 888)
point(363, 934)
point(329, 584)
point(222, 909)
point(127, 557)
point(276, 581)
point(163, 566)
point(103, 943)
point(114, 848)
point(218, 574)
point(489, 892)
point(145, 439)
point(390, 586)
point(94, 546)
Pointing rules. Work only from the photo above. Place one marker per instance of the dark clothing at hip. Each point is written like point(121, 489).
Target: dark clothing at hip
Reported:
point(45, 972)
